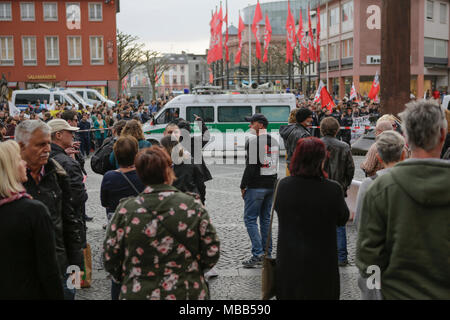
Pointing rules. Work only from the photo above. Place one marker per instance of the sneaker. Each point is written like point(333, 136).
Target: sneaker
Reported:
point(342, 263)
point(212, 273)
point(252, 262)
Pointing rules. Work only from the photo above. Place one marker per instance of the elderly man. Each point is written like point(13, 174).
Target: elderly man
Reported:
point(340, 167)
point(371, 165)
point(62, 140)
point(49, 183)
point(403, 235)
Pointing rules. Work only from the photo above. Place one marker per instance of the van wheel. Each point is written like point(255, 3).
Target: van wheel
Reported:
point(154, 142)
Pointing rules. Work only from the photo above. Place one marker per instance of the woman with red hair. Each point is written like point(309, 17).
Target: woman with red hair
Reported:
point(309, 207)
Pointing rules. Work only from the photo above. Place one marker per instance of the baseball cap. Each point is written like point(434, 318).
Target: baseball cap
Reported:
point(258, 117)
point(59, 125)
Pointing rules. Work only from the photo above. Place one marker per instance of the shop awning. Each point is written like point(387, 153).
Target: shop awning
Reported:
point(87, 83)
point(12, 84)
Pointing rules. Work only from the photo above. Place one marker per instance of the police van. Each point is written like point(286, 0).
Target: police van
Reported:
point(224, 114)
point(21, 98)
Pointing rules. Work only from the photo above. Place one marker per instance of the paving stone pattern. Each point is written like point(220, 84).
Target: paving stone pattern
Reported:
point(226, 207)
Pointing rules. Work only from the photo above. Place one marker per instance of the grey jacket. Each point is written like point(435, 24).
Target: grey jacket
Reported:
point(291, 134)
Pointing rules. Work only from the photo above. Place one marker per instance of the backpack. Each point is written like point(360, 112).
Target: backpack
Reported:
point(100, 159)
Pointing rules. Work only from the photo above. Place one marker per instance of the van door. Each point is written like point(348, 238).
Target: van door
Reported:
point(167, 116)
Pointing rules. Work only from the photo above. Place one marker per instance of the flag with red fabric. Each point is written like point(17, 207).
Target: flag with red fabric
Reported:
point(353, 93)
point(302, 40)
point(324, 97)
point(211, 77)
point(290, 35)
point(241, 28)
point(218, 54)
point(255, 27)
point(318, 34)
point(267, 37)
point(312, 50)
point(375, 89)
point(210, 57)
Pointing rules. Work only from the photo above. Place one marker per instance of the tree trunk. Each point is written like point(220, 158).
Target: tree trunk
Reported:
point(395, 55)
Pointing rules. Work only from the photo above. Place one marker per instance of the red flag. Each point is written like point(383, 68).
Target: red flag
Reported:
point(227, 54)
point(256, 19)
point(267, 37)
point(324, 96)
point(375, 88)
point(318, 34)
point(312, 51)
point(211, 77)
point(241, 28)
point(210, 58)
point(218, 54)
point(290, 35)
point(353, 94)
point(302, 40)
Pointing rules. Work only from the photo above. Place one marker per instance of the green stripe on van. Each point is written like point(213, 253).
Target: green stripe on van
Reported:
point(223, 127)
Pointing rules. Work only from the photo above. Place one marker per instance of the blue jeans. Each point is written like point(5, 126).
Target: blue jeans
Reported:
point(115, 290)
point(69, 294)
point(257, 204)
point(341, 243)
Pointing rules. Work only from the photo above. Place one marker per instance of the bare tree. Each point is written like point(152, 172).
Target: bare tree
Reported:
point(156, 64)
point(129, 54)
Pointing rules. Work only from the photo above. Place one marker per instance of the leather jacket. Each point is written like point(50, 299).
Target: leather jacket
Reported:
point(298, 132)
point(339, 165)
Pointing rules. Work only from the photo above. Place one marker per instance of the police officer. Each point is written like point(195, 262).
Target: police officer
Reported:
point(347, 121)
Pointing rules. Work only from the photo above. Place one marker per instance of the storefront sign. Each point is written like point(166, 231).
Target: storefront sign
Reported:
point(41, 77)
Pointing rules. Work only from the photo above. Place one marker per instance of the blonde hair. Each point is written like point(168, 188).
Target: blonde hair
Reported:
point(134, 129)
point(9, 174)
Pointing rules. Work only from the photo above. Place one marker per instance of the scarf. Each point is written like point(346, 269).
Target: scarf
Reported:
point(14, 197)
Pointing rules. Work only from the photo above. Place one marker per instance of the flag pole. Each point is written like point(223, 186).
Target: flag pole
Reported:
point(249, 48)
point(227, 49)
point(326, 14)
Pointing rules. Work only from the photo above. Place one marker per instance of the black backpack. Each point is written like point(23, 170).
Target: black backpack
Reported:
point(100, 159)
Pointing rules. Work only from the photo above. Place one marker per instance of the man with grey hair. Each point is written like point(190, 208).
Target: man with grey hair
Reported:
point(403, 232)
point(49, 183)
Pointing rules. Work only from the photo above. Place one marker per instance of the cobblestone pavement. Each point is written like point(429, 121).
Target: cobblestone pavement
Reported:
point(226, 207)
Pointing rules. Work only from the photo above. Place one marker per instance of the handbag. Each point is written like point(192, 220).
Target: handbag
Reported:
point(86, 279)
point(268, 281)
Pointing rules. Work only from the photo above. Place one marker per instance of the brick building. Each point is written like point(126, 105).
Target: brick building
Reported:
point(59, 43)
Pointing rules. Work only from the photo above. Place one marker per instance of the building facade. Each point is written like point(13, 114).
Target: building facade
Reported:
point(60, 43)
point(351, 45)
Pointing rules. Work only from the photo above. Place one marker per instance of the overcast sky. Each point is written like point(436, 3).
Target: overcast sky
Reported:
point(170, 26)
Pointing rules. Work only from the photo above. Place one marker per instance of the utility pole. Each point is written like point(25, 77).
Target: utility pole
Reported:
point(395, 55)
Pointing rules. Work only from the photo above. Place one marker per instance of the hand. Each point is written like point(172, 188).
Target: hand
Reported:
point(197, 118)
point(76, 144)
point(243, 193)
point(71, 151)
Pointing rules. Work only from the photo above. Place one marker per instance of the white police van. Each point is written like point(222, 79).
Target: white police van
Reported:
point(92, 96)
point(224, 114)
point(21, 98)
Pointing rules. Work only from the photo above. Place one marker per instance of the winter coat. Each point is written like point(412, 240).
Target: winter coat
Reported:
point(98, 133)
point(27, 242)
point(308, 209)
point(404, 230)
point(298, 132)
point(54, 191)
point(159, 244)
point(189, 177)
point(339, 165)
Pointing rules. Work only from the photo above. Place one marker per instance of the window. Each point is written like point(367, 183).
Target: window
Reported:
point(51, 50)
point(92, 96)
point(435, 48)
point(50, 11)
point(323, 53)
point(174, 80)
point(25, 98)
point(334, 17)
point(80, 93)
point(323, 23)
point(5, 11)
point(347, 48)
point(347, 12)
point(95, 12)
point(234, 113)
point(334, 51)
point(197, 67)
point(182, 80)
point(27, 11)
point(168, 115)
point(57, 97)
point(6, 51)
point(29, 51)
point(206, 113)
point(430, 9)
point(443, 13)
point(96, 50)
point(74, 50)
point(274, 113)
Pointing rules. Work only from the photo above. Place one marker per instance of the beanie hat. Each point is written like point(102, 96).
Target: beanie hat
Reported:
point(303, 114)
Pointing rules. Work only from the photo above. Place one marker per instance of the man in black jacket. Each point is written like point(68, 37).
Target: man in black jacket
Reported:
point(49, 183)
point(340, 167)
point(304, 119)
point(257, 184)
point(62, 139)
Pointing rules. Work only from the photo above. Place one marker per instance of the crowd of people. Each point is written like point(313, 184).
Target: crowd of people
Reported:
point(160, 242)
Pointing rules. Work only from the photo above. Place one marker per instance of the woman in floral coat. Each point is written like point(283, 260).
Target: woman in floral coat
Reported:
point(159, 244)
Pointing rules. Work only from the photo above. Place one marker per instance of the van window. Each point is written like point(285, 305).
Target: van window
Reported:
point(25, 98)
point(206, 113)
point(168, 115)
point(275, 113)
point(58, 97)
point(234, 113)
point(92, 96)
point(81, 93)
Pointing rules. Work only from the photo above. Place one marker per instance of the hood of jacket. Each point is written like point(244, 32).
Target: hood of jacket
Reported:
point(427, 181)
point(285, 131)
